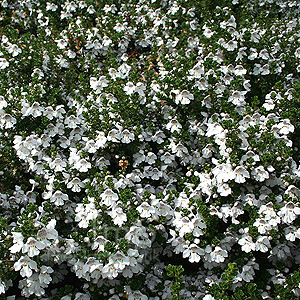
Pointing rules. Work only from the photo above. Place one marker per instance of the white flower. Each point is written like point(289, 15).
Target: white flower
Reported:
point(62, 62)
point(71, 121)
point(150, 158)
point(118, 216)
point(44, 276)
point(99, 243)
point(237, 98)
point(101, 140)
point(202, 84)
point(247, 273)
point(264, 54)
point(223, 173)
point(137, 295)
point(194, 253)
point(257, 69)
point(90, 145)
point(262, 244)
point(127, 136)
point(140, 88)
point(59, 198)
point(162, 209)
point(91, 11)
point(32, 247)
point(260, 174)
point(197, 71)
point(47, 233)
point(224, 189)
point(36, 110)
point(218, 255)
point(198, 226)
point(174, 125)
point(251, 200)
point(159, 137)
point(241, 174)
point(269, 105)
point(138, 236)
point(145, 210)
point(3, 102)
point(18, 242)
point(214, 129)
point(219, 89)
point(185, 225)
point(81, 269)
point(70, 53)
point(182, 201)
point(3, 63)
point(61, 43)
point(207, 32)
point(64, 142)
point(26, 265)
point(95, 268)
point(124, 70)
point(58, 165)
point(81, 296)
point(75, 184)
point(247, 244)
point(136, 175)
point(82, 165)
point(285, 127)
point(109, 197)
point(262, 225)
point(134, 256)
point(231, 45)
point(106, 41)
point(2, 287)
point(155, 174)
point(113, 73)
point(70, 246)
point(292, 191)
point(114, 135)
point(291, 233)
point(265, 70)
point(179, 243)
point(102, 162)
point(184, 97)
point(120, 260)
point(267, 210)
point(240, 70)
point(167, 158)
point(129, 88)
point(32, 285)
point(282, 251)
point(66, 298)
point(110, 271)
point(289, 212)
point(297, 53)
point(98, 84)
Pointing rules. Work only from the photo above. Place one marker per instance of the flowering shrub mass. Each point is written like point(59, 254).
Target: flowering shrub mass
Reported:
point(149, 149)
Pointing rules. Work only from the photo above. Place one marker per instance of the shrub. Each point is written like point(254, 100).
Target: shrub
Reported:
point(149, 149)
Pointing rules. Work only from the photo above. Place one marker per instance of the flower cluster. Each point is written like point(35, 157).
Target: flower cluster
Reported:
point(140, 136)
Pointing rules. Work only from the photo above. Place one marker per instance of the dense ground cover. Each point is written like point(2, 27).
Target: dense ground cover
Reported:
point(149, 149)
